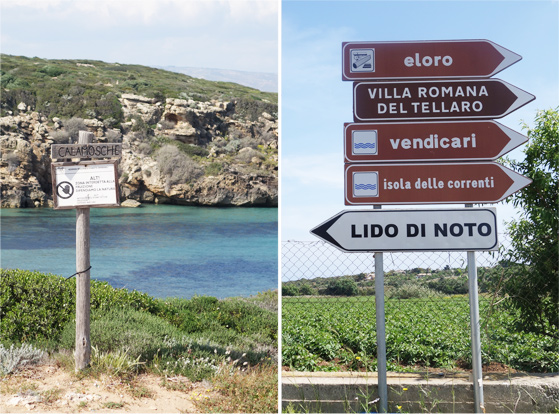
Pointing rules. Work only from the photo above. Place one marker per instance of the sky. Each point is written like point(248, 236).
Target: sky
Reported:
point(316, 102)
point(232, 34)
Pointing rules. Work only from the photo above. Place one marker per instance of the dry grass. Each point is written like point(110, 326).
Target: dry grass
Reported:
point(252, 391)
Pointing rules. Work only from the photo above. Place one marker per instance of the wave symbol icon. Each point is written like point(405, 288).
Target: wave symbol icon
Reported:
point(365, 186)
point(364, 145)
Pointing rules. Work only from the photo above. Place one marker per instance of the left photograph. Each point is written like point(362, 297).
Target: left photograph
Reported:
point(139, 195)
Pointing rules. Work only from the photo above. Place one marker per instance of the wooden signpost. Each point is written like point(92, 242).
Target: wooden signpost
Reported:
point(81, 185)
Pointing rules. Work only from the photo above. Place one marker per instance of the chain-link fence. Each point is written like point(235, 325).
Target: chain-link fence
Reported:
point(328, 312)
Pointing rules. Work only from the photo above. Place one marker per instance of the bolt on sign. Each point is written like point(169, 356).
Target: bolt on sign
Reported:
point(428, 141)
point(424, 59)
point(85, 184)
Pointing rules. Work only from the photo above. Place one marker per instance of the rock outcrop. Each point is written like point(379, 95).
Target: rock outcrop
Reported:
point(227, 159)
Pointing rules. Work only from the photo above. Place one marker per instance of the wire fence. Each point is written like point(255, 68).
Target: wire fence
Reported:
point(328, 311)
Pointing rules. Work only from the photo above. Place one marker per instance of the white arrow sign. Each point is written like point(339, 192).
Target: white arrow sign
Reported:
point(418, 230)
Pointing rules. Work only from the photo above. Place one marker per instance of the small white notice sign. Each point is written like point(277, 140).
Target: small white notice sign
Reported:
point(85, 184)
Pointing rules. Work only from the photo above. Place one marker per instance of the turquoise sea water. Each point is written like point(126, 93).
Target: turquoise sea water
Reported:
point(162, 250)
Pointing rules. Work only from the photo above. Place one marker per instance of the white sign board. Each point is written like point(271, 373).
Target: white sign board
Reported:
point(85, 184)
point(418, 230)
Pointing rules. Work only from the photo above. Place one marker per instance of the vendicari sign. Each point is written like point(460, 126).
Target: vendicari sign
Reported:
point(428, 141)
point(424, 59)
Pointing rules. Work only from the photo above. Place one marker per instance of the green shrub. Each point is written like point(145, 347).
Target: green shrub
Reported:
point(412, 291)
point(289, 289)
point(214, 168)
point(34, 306)
point(450, 285)
point(139, 333)
point(52, 70)
point(305, 289)
point(252, 109)
point(342, 287)
point(194, 335)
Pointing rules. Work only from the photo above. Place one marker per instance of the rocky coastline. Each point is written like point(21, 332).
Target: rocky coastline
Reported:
point(229, 158)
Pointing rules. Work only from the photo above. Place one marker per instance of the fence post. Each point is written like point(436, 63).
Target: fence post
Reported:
point(474, 326)
point(381, 330)
point(83, 343)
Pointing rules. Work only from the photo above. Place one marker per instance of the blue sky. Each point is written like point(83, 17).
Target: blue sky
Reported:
point(238, 35)
point(316, 102)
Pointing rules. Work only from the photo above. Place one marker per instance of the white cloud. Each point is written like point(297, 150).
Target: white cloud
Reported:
point(148, 12)
point(226, 34)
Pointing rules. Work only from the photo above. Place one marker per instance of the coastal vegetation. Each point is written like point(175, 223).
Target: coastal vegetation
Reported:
point(90, 88)
point(202, 338)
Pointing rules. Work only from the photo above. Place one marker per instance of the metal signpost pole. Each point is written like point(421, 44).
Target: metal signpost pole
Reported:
point(417, 84)
point(474, 324)
point(381, 330)
point(83, 342)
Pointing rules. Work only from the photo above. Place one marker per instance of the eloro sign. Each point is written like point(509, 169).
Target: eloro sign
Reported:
point(424, 59)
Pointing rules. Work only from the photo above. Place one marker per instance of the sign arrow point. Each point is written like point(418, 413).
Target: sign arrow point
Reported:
point(509, 58)
point(321, 231)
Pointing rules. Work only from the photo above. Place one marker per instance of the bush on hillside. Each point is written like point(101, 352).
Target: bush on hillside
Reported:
point(342, 287)
point(177, 167)
point(289, 289)
point(412, 291)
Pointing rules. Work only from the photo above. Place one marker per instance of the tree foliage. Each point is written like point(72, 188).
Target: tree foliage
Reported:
point(342, 287)
point(531, 283)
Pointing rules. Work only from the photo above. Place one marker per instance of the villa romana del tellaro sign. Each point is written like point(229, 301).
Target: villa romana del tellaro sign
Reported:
point(430, 100)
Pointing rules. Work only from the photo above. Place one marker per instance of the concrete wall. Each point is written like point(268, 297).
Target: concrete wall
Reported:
point(451, 393)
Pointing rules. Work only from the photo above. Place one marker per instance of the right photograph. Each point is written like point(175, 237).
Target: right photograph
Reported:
point(419, 257)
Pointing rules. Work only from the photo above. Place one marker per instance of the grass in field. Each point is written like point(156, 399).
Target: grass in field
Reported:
point(328, 334)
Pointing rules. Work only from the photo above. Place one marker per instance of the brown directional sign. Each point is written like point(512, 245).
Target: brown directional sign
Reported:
point(428, 141)
point(440, 183)
point(432, 100)
point(424, 59)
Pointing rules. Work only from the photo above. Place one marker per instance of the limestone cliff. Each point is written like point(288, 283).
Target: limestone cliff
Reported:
point(178, 151)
